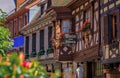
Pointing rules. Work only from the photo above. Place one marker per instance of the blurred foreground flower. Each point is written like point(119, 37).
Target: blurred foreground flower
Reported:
point(14, 66)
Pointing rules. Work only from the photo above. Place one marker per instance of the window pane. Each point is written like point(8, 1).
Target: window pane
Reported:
point(65, 30)
point(66, 24)
point(41, 39)
point(34, 42)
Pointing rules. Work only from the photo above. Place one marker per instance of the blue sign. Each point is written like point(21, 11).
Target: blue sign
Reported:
point(18, 41)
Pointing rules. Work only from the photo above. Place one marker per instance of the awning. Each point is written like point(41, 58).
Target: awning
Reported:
point(18, 41)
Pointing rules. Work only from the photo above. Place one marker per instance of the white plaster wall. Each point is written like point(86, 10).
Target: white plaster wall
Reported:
point(30, 43)
point(37, 41)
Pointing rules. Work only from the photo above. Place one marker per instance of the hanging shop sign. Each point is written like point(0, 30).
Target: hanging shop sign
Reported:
point(70, 38)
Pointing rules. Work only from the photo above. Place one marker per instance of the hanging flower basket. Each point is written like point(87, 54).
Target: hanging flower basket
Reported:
point(86, 25)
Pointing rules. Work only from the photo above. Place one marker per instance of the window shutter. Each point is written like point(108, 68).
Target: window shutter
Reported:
point(34, 42)
point(41, 39)
point(110, 31)
point(118, 25)
point(27, 45)
point(106, 29)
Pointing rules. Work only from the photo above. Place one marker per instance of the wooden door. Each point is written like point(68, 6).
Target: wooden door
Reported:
point(89, 70)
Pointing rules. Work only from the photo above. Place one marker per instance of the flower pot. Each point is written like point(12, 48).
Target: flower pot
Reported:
point(106, 70)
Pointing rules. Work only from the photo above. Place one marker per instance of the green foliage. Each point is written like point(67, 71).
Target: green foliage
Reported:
point(4, 34)
point(106, 66)
point(86, 26)
point(32, 54)
point(41, 52)
point(2, 17)
point(49, 50)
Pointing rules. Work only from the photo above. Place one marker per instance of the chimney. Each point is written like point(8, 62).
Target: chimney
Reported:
point(17, 3)
point(49, 3)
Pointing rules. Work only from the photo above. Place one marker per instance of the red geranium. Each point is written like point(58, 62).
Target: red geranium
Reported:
point(84, 26)
point(26, 64)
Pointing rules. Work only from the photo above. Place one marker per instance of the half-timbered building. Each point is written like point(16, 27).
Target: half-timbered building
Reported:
point(110, 32)
point(86, 25)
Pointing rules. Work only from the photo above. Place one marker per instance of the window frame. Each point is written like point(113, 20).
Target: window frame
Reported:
point(67, 26)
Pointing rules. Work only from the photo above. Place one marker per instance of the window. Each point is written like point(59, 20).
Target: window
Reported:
point(42, 9)
point(99, 69)
point(114, 26)
point(87, 15)
point(27, 45)
point(65, 26)
point(25, 20)
point(41, 39)
point(49, 36)
point(34, 42)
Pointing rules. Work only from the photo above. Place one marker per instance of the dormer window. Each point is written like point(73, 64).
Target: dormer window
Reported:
point(42, 9)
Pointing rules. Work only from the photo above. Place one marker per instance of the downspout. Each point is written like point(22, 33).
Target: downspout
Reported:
point(99, 47)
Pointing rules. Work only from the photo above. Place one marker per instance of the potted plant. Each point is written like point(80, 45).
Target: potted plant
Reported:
point(41, 52)
point(26, 56)
point(106, 69)
point(33, 54)
point(49, 50)
point(85, 26)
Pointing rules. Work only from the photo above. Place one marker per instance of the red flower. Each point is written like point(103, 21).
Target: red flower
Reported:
point(70, 32)
point(14, 67)
point(6, 76)
point(21, 76)
point(62, 34)
point(83, 26)
point(26, 64)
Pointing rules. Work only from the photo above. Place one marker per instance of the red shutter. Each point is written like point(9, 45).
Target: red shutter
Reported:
point(118, 24)
point(106, 29)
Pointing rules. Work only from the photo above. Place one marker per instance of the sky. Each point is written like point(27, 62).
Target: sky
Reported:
point(7, 5)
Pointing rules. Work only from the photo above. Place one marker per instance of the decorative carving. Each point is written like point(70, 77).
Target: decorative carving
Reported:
point(65, 50)
point(87, 37)
point(114, 49)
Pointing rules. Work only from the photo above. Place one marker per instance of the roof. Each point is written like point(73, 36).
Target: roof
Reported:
point(21, 1)
point(22, 10)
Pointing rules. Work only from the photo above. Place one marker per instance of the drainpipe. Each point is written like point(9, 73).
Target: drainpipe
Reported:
point(99, 47)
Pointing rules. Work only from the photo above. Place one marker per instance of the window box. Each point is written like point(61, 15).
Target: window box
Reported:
point(33, 54)
point(86, 25)
point(106, 69)
point(49, 50)
point(41, 52)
